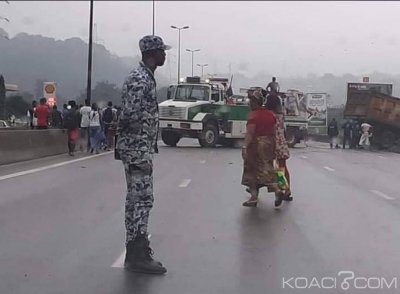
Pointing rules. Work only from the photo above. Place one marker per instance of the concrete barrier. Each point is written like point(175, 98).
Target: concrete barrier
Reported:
point(19, 145)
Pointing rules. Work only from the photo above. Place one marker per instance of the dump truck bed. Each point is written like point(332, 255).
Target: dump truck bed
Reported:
point(380, 108)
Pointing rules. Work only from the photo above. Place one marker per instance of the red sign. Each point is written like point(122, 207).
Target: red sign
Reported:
point(51, 101)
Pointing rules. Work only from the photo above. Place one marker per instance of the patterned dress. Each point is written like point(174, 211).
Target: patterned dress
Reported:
point(258, 168)
point(282, 149)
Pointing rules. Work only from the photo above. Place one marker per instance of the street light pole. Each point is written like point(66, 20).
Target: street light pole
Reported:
point(154, 18)
point(89, 77)
point(89, 72)
point(192, 51)
point(202, 68)
point(179, 49)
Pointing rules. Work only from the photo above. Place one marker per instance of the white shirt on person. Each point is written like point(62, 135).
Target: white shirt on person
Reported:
point(94, 119)
point(85, 111)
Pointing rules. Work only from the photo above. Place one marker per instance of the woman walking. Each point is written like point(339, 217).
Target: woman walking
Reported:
point(258, 151)
point(281, 147)
point(95, 128)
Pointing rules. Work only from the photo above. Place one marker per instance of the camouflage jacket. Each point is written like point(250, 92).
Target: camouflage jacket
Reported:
point(138, 122)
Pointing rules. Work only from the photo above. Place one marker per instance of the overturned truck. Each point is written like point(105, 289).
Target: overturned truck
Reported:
point(374, 103)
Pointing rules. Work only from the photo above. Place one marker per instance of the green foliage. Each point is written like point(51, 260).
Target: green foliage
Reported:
point(103, 92)
point(16, 105)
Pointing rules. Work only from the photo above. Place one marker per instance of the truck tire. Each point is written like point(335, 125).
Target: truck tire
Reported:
point(291, 138)
point(209, 136)
point(170, 138)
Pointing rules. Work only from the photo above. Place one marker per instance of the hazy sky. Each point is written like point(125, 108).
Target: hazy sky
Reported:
point(280, 38)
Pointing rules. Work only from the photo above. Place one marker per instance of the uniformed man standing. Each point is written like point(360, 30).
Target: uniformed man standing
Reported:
point(136, 144)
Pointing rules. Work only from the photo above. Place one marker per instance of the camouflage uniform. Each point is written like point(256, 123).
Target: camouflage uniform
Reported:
point(136, 143)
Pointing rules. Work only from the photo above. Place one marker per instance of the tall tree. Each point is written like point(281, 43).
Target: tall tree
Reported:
point(16, 105)
point(102, 93)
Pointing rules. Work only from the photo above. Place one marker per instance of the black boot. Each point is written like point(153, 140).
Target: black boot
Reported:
point(139, 257)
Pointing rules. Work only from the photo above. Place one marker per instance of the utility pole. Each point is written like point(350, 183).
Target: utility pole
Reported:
point(192, 51)
point(202, 68)
point(179, 49)
point(89, 72)
point(154, 16)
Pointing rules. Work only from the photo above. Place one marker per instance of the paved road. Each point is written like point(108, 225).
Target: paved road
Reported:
point(62, 231)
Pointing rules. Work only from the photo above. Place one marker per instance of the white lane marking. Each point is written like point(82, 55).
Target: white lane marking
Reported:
point(304, 157)
point(383, 195)
point(382, 157)
point(35, 170)
point(202, 161)
point(119, 263)
point(329, 168)
point(185, 183)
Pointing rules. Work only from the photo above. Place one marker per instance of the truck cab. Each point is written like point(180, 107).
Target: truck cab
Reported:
point(198, 109)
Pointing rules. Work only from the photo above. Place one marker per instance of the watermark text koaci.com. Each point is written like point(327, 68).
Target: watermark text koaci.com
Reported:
point(344, 280)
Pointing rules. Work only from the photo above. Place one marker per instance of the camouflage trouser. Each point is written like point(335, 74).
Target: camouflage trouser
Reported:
point(139, 198)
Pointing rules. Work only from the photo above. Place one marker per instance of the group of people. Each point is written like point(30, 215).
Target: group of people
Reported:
point(43, 116)
point(265, 148)
point(355, 135)
point(94, 128)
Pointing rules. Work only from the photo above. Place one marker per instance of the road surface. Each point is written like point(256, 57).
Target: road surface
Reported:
point(62, 226)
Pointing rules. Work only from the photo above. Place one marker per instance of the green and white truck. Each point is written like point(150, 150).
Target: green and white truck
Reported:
point(199, 109)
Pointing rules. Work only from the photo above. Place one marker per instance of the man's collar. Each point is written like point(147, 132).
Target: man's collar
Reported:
point(142, 64)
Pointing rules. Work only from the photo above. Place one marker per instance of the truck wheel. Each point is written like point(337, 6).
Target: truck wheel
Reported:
point(291, 138)
point(209, 136)
point(170, 138)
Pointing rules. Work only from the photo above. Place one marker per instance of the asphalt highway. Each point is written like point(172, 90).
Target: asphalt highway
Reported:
point(62, 226)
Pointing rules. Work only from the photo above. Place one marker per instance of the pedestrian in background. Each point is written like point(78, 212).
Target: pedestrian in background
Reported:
point(282, 153)
point(71, 123)
point(31, 115)
point(366, 135)
point(273, 86)
point(56, 118)
point(333, 133)
point(136, 145)
point(95, 129)
point(347, 127)
point(109, 119)
point(42, 113)
point(64, 110)
point(84, 142)
point(356, 134)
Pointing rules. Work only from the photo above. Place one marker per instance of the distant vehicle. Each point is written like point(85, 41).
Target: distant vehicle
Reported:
point(3, 124)
point(199, 109)
point(296, 116)
point(240, 99)
point(374, 104)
